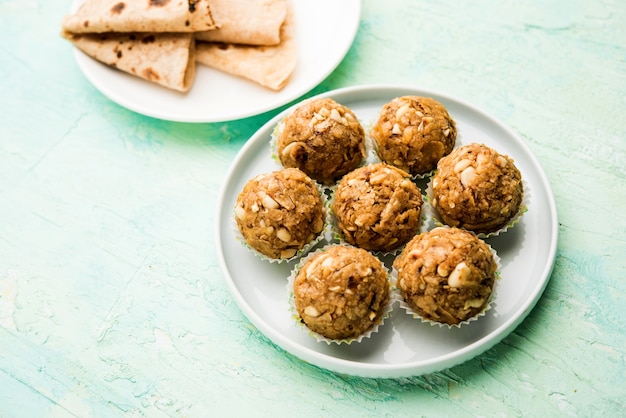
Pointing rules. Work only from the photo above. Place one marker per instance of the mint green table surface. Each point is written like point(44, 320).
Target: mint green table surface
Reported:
point(112, 302)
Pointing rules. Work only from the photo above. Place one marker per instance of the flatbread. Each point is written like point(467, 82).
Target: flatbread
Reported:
point(251, 22)
point(269, 66)
point(99, 16)
point(167, 59)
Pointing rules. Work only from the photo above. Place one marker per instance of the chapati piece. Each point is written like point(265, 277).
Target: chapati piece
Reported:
point(99, 16)
point(269, 66)
point(167, 59)
point(251, 22)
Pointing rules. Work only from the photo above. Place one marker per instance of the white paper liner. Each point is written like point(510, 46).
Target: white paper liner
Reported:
point(427, 214)
point(491, 303)
point(337, 235)
point(320, 338)
point(278, 129)
point(523, 208)
point(324, 234)
point(372, 155)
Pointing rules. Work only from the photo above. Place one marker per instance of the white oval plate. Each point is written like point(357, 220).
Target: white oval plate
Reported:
point(403, 346)
point(325, 32)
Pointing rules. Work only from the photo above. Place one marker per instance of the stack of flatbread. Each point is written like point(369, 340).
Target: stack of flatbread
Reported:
point(161, 40)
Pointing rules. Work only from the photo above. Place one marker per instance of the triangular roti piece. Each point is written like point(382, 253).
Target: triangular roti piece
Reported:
point(269, 66)
point(98, 16)
point(251, 22)
point(167, 59)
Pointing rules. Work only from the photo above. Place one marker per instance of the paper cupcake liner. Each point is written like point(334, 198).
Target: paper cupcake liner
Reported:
point(372, 156)
point(324, 234)
point(523, 208)
point(427, 217)
point(424, 175)
point(491, 303)
point(278, 129)
point(320, 338)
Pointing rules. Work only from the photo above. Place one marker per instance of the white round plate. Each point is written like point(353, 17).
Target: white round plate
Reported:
point(403, 346)
point(325, 31)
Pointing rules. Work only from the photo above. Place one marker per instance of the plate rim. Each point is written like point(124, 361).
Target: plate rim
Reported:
point(83, 61)
point(355, 368)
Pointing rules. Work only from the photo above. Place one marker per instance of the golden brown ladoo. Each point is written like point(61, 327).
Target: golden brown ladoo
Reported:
point(341, 292)
point(413, 133)
point(322, 138)
point(477, 189)
point(377, 207)
point(446, 275)
point(279, 213)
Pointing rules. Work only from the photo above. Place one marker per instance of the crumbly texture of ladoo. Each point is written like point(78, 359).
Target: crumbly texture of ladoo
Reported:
point(377, 207)
point(322, 138)
point(278, 213)
point(342, 292)
point(477, 189)
point(446, 275)
point(413, 133)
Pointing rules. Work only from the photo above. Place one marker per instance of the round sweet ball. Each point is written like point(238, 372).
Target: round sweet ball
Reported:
point(413, 133)
point(446, 275)
point(322, 138)
point(341, 292)
point(377, 207)
point(477, 189)
point(279, 213)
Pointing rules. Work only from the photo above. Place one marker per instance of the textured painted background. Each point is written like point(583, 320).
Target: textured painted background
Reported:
point(111, 299)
